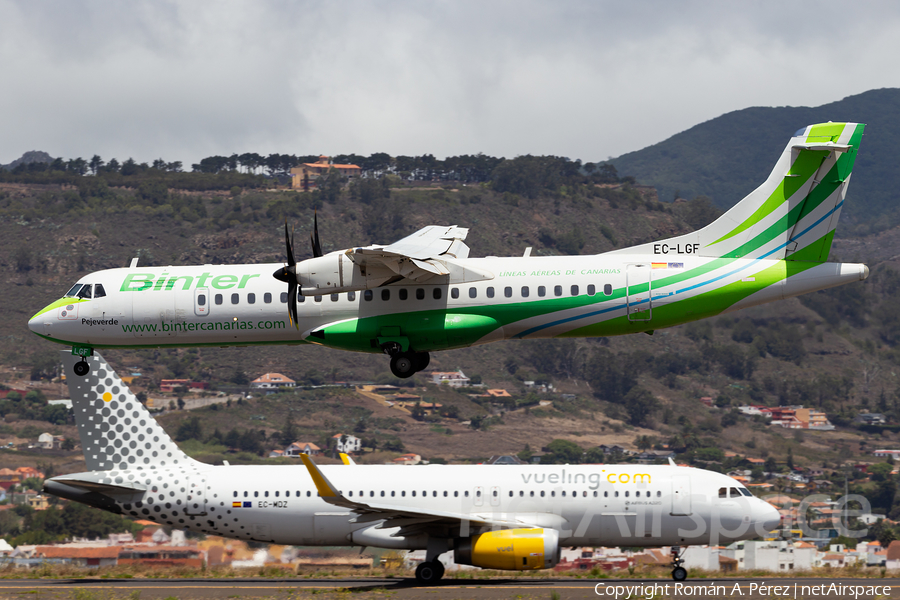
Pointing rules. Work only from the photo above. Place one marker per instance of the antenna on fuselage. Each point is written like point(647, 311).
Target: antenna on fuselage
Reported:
point(134, 262)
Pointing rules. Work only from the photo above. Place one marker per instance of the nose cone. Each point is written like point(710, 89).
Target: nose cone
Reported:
point(64, 308)
point(766, 516)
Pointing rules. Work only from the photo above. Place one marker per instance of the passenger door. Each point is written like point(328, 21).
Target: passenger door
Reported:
point(638, 293)
point(681, 495)
point(201, 302)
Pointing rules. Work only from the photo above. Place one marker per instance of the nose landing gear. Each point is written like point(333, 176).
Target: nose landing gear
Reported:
point(82, 368)
point(679, 573)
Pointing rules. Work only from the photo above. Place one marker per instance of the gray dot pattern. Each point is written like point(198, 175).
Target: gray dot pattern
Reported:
point(124, 445)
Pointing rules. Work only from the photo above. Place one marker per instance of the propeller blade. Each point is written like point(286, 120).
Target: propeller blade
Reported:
point(292, 305)
point(288, 242)
point(314, 236)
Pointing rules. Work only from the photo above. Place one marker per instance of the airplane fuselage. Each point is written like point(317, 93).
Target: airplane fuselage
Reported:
point(527, 297)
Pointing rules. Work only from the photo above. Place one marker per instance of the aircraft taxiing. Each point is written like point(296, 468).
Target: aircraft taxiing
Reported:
point(424, 294)
point(510, 517)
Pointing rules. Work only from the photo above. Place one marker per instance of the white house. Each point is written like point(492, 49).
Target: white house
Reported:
point(271, 381)
point(347, 443)
point(451, 378)
point(779, 555)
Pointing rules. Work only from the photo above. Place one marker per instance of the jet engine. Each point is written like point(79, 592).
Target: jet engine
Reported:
point(511, 549)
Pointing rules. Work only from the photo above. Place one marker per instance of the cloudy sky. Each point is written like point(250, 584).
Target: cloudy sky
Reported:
point(590, 80)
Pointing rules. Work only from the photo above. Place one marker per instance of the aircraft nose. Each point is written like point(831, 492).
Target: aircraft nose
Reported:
point(36, 323)
point(766, 516)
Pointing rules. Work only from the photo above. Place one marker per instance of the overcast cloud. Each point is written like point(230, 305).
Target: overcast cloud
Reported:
point(589, 80)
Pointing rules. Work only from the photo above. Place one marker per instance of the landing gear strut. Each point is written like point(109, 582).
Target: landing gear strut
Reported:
point(679, 573)
point(82, 368)
point(428, 573)
point(406, 364)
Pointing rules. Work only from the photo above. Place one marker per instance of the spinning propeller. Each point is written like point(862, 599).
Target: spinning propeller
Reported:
point(288, 273)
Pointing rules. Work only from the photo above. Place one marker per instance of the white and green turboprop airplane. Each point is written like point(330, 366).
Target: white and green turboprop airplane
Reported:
point(423, 293)
point(513, 517)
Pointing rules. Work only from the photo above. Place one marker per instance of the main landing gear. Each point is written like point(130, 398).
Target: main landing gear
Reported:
point(679, 573)
point(406, 364)
point(429, 573)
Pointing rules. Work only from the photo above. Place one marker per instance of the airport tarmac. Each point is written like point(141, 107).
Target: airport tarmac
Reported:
point(448, 589)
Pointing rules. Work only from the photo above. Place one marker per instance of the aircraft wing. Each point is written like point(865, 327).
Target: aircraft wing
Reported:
point(417, 256)
point(399, 516)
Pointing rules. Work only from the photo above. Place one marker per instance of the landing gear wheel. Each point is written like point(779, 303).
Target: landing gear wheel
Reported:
point(403, 365)
point(428, 573)
point(679, 573)
point(82, 368)
point(422, 360)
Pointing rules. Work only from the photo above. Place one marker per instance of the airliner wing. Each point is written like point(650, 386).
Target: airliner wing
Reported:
point(417, 256)
point(399, 516)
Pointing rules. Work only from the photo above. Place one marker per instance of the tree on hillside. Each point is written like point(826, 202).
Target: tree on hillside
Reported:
point(640, 405)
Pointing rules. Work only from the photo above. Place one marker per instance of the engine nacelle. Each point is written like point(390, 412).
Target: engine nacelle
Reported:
point(510, 549)
point(334, 273)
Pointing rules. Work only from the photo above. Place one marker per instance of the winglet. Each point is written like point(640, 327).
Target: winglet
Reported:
point(347, 460)
point(671, 462)
point(323, 486)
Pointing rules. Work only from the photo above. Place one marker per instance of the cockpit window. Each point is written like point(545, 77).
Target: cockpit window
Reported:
point(723, 492)
point(735, 493)
point(99, 292)
point(74, 291)
point(85, 291)
point(745, 491)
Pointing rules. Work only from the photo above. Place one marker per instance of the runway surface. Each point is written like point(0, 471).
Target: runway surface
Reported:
point(448, 589)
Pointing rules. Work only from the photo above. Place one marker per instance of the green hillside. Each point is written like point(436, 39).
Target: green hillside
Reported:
point(727, 157)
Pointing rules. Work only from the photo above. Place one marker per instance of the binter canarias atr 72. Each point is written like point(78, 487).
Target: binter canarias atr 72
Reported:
point(424, 293)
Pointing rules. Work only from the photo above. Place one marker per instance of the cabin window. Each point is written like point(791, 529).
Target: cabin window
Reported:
point(626, 494)
point(557, 290)
point(473, 293)
point(283, 298)
point(531, 494)
point(507, 291)
point(393, 493)
point(99, 292)
point(267, 494)
point(420, 293)
point(524, 291)
point(334, 297)
point(553, 494)
point(251, 298)
point(542, 493)
point(367, 295)
point(542, 291)
point(276, 493)
point(385, 295)
point(301, 299)
point(592, 289)
point(436, 293)
point(235, 494)
point(245, 494)
point(478, 494)
point(445, 493)
point(606, 494)
point(454, 293)
point(521, 494)
point(510, 493)
point(403, 293)
point(201, 299)
point(494, 493)
point(382, 493)
point(617, 494)
point(267, 297)
point(595, 494)
point(607, 289)
point(456, 494)
point(490, 292)
point(658, 494)
point(74, 290)
point(564, 494)
point(256, 494)
point(466, 493)
point(298, 493)
point(218, 299)
point(351, 296)
point(574, 290)
point(85, 291)
point(308, 494)
point(317, 298)
point(403, 494)
point(235, 298)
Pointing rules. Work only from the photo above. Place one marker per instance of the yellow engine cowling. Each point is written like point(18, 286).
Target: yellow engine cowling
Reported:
point(510, 550)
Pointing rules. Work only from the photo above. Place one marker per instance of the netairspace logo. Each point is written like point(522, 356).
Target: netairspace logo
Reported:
point(790, 590)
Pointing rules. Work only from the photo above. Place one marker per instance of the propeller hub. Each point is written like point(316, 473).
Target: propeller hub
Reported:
point(284, 274)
